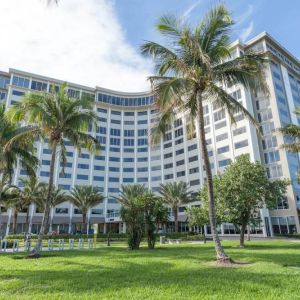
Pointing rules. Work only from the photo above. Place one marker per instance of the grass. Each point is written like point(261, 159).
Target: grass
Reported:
point(170, 272)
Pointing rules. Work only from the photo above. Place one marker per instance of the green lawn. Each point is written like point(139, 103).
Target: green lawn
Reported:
point(170, 272)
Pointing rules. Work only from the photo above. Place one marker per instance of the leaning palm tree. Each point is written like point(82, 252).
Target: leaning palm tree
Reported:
point(193, 67)
point(57, 117)
point(19, 150)
point(85, 197)
point(175, 194)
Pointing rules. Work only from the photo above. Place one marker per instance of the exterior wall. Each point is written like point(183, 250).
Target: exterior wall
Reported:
point(124, 123)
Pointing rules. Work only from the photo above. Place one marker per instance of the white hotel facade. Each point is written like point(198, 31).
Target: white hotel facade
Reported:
point(124, 120)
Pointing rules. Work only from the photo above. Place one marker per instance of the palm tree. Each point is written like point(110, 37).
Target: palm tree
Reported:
point(57, 197)
point(194, 66)
point(85, 197)
point(57, 117)
point(13, 149)
point(175, 194)
point(31, 193)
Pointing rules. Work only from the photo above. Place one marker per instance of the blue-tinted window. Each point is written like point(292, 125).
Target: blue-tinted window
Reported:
point(98, 178)
point(142, 149)
point(128, 150)
point(69, 154)
point(112, 121)
point(241, 144)
point(65, 175)
point(46, 162)
point(115, 159)
point(128, 170)
point(142, 159)
point(128, 180)
point(116, 113)
point(103, 110)
point(128, 133)
point(18, 93)
point(128, 159)
point(224, 162)
point(99, 168)
point(114, 149)
point(113, 179)
point(142, 132)
point(84, 155)
point(82, 177)
point(143, 169)
point(140, 122)
point(98, 157)
point(128, 142)
point(66, 187)
point(128, 122)
point(142, 113)
point(113, 190)
point(114, 169)
point(142, 179)
point(115, 132)
point(83, 166)
point(20, 81)
point(223, 149)
point(44, 173)
point(47, 151)
point(128, 113)
point(38, 85)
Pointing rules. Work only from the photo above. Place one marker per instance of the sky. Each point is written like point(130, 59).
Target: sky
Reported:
point(97, 42)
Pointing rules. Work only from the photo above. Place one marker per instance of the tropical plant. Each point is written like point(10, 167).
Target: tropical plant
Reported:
point(175, 194)
point(57, 117)
point(243, 189)
point(14, 147)
point(85, 197)
point(292, 135)
point(132, 213)
point(198, 216)
point(57, 197)
point(155, 215)
point(193, 68)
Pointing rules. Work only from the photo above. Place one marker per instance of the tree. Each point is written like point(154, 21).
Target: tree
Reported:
point(57, 117)
point(85, 197)
point(292, 134)
point(175, 194)
point(57, 197)
point(198, 216)
point(132, 213)
point(193, 67)
point(244, 189)
point(14, 147)
point(31, 192)
point(155, 214)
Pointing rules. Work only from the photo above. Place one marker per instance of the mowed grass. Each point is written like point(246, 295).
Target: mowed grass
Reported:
point(183, 271)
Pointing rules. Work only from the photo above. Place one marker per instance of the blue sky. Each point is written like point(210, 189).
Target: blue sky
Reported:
point(278, 17)
point(96, 42)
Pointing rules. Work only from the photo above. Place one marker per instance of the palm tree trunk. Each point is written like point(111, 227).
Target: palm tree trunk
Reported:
point(175, 212)
point(221, 256)
point(242, 235)
point(27, 218)
point(0, 220)
point(84, 227)
point(15, 218)
point(45, 220)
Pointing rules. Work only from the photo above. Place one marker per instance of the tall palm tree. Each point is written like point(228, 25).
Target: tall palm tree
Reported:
point(57, 197)
point(194, 66)
point(175, 194)
point(13, 150)
point(85, 197)
point(57, 117)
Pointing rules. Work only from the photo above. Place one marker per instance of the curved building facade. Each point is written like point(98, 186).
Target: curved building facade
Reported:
point(124, 123)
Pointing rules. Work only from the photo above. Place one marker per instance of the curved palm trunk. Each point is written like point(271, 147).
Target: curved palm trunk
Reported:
point(27, 218)
point(175, 212)
point(221, 256)
point(15, 218)
point(45, 220)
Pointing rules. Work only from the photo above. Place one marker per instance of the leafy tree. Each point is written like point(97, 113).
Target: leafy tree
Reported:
point(85, 197)
point(198, 216)
point(244, 188)
point(57, 117)
point(192, 68)
point(175, 194)
point(14, 146)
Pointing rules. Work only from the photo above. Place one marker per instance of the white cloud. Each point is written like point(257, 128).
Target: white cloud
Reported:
point(79, 41)
point(189, 10)
point(247, 31)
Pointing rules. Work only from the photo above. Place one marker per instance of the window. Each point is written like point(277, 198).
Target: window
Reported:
point(98, 178)
point(115, 132)
point(180, 151)
point(128, 113)
point(241, 144)
point(180, 163)
point(65, 175)
point(142, 149)
point(101, 130)
point(192, 147)
point(168, 155)
point(113, 190)
point(112, 121)
point(179, 141)
point(61, 210)
point(168, 166)
point(269, 142)
point(128, 142)
point(142, 142)
point(83, 166)
point(98, 157)
point(140, 122)
point(193, 158)
point(219, 115)
point(128, 150)
point(167, 145)
point(113, 179)
point(82, 177)
point(221, 137)
point(115, 141)
point(114, 159)
point(143, 169)
point(224, 162)
point(114, 169)
point(194, 182)
point(99, 168)
point(169, 176)
point(142, 113)
point(47, 151)
point(265, 115)
point(142, 132)
point(239, 131)
point(128, 133)
point(97, 211)
point(128, 170)
point(103, 110)
point(20, 81)
point(194, 170)
point(177, 123)
point(156, 168)
point(156, 178)
point(66, 187)
point(38, 85)
point(116, 113)
point(142, 179)
point(220, 125)
point(223, 149)
point(18, 93)
point(128, 159)
point(168, 136)
point(128, 122)
point(155, 157)
point(128, 180)
point(180, 174)
point(44, 173)
point(178, 132)
point(271, 157)
point(46, 162)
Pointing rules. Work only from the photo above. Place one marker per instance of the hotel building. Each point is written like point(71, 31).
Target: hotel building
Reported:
point(124, 121)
